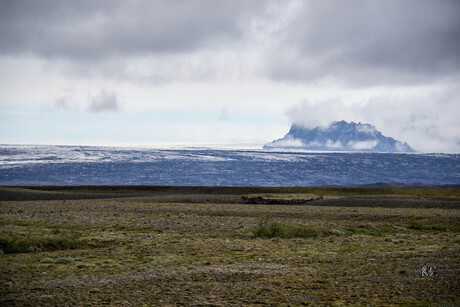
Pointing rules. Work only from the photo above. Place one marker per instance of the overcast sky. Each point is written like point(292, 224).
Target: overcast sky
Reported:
point(228, 73)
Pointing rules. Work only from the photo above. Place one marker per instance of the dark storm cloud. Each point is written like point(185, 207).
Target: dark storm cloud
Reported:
point(357, 42)
point(363, 42)
point(97, 29)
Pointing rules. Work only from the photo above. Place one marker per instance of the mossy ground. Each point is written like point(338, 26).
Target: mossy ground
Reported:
point(140, 251)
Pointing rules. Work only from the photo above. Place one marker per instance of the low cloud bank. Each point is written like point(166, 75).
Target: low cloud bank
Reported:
point(429, 123)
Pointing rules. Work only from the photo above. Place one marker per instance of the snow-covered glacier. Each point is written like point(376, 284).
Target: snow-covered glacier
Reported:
point(84, 165)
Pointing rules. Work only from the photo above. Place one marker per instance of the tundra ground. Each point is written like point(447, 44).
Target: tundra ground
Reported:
point(210, 249)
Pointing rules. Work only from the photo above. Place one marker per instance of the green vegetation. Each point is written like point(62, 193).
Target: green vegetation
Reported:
point(277, 230)
point(20, 244)
point(24, 236)
point(417, 225)
point(47, 260)
point(336, 232)
point(163, 251)
point(64, 260)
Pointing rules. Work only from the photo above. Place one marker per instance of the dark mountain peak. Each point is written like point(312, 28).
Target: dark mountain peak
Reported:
point(339, 136)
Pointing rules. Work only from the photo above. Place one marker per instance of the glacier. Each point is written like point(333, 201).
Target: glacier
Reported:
point(87, 165)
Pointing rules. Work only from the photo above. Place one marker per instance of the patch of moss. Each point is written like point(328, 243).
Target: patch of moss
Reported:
point(417, 225)
point(19, 244)
point(65, 260)
point(277, 230)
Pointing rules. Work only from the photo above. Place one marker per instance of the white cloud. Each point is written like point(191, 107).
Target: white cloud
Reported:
point(314, 144)
point(363, 145)
point(426, 119)
point(287, 143)
point(333, 145)
point(368, 129)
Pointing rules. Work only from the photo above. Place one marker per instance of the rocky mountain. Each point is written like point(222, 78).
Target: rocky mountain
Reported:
point(339, 136)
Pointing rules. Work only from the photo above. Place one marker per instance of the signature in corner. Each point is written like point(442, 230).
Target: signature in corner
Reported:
point(429, 270)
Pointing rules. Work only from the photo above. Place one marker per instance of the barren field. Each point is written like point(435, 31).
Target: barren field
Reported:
point(211, 246)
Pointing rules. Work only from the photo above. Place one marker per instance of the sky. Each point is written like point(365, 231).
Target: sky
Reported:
point(227, 73)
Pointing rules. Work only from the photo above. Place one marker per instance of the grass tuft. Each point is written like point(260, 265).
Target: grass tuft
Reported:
point(417, 225)
point(276, 230)
point(360, 235)
point(64, 260)
point(336, 232)
point(47, 260)
point(18, 244)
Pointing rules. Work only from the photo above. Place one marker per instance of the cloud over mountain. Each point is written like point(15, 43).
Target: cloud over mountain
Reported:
point(339, 136)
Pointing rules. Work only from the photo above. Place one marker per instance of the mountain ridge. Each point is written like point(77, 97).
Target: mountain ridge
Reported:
point(339, 136)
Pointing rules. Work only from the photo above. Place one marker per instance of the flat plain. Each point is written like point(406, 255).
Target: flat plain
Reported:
point(164, 246)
